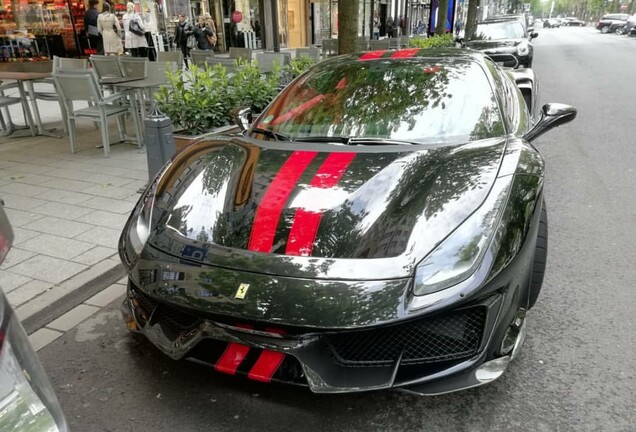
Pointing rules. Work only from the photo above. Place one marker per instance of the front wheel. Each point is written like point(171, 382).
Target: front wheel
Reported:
point(620, 30)
point(540, 258)
point(605, 29)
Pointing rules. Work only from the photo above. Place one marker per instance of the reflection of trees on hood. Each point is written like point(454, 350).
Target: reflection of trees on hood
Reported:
point(489, 123)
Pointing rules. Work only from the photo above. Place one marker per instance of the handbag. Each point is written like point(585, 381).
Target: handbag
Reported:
point(92, 30)
point(191, 42)
point(212, 40)
point(135, 27)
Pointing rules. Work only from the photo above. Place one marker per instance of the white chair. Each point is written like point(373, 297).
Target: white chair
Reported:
point(106, 66)
point(199, 57)
point(81, 86)
point(267, 60)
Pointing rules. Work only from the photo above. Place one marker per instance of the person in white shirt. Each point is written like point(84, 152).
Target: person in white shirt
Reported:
point(135, 43)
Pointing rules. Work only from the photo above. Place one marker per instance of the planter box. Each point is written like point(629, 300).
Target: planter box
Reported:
point(182, 141)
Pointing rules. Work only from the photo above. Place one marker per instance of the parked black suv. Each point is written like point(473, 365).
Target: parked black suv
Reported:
point(504, 38)
point(610, 22)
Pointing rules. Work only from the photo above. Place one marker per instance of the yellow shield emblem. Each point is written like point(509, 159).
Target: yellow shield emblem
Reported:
point(241, 292)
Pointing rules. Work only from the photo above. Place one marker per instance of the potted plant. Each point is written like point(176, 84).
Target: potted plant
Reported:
point(201, 101)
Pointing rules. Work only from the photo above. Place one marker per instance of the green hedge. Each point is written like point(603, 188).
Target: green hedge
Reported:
point(444, 41)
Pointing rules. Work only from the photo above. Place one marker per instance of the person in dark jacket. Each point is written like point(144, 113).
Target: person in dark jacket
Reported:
point(182, 33)
point(90, 27)
point(202, 33)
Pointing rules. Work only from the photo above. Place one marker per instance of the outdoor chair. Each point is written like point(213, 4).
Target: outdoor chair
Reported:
point(229, 64)
point(59, 63)
point(106, 66)
point(395, 43)
point(134, 66)
point(382, 44)
point(362, 44)
point(5, 102)
point(329, 47)
point(199, 57)
point(170, 56)
point(405, 41)
point(311, 52)
point(241, 53)
point(81, 86)
point(267, 61)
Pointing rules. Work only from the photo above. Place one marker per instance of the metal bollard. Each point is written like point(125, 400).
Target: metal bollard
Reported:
point(159, 141)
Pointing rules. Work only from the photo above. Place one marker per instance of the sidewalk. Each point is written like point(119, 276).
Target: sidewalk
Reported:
point(67, 210)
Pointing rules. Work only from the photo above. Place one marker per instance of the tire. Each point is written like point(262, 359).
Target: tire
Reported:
point(605, 29)
point(540, 258)
point(620, 30)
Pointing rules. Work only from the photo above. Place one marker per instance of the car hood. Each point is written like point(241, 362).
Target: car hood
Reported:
point(493, 45)
point(323, 212)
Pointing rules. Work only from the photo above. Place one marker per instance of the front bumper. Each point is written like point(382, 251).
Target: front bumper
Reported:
point(447, 358)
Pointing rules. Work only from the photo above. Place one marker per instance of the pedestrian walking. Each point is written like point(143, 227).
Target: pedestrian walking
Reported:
point(184, 38)
point(376, 26)
point(108, 26)
point(90, 27)
point(214, 38)
point(134, 32)
point(459, 26)
point(203, 33)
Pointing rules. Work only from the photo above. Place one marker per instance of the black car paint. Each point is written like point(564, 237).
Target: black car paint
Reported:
point(342, 294)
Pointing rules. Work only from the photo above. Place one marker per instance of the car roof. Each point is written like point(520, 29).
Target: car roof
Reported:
point(494, 20)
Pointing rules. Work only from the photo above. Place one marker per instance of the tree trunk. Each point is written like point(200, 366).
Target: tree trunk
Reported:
point(348, 15)
point(442, 11)
point(471, 18)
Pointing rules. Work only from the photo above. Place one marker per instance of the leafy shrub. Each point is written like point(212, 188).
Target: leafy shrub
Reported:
point(444, 41)
point(203, 98)
point(251, 88)
point(295, 67)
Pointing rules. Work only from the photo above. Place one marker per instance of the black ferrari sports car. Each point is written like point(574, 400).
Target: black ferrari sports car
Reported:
point(381, 224)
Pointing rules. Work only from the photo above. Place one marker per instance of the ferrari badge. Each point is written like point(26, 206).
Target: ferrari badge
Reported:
point(241, 292)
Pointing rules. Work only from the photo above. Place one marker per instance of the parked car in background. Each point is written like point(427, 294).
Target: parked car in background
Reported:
point(27, 400)
point(551, 23)
point(380, 225)
point(573, 21)
point(632, 32)
point(610, 22)
point(526, 20)
point(629, 24)
point(504, 36)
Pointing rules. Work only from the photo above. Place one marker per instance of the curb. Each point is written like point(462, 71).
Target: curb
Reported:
point(74, 298)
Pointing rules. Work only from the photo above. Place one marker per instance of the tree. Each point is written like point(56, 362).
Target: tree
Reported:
point(348, 15)
point(442, 13)
point(471, 18)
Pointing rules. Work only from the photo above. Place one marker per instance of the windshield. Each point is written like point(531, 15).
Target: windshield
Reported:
point(499, 30)
point(415, 100)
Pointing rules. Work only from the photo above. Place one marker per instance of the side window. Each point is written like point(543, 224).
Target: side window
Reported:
point(521, 111)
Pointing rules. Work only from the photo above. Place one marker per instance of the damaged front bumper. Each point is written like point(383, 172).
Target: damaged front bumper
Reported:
point(332, 361)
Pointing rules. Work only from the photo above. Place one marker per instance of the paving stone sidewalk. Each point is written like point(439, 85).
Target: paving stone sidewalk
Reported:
point(67, 210)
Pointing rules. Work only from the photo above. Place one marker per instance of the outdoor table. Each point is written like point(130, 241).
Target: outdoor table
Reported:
point(28, 77)
point(139, 85)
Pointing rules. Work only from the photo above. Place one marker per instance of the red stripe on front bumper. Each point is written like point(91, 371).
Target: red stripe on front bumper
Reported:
point(305, 225)
point(271, 206)
point(232, 358)
point(266, 366)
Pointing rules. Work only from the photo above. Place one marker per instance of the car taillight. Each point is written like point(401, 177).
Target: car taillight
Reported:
point(27, 400)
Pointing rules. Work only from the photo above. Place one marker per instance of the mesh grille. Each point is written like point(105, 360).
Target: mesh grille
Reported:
point(174, 318)
point(445, 337)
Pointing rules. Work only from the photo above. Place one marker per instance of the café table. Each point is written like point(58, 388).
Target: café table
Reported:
point(141, 85)
point(27, 78)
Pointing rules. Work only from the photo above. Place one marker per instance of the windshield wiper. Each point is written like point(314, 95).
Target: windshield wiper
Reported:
point(270, 133)
point(355, 141)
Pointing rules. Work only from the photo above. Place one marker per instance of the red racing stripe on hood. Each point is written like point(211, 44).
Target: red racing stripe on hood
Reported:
point(271, 206)
point(405, 53)
point(372, 55)
point(306, 222)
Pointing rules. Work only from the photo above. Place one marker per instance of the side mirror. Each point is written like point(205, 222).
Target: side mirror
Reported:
point(552, 115)
point(243, 118)
point(534, 35)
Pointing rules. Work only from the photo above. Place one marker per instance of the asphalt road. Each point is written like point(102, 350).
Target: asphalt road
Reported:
point(576, 372)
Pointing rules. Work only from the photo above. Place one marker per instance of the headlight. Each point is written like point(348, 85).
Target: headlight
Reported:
point(457, 257)
point(137, 230)
point(27, 401)
point(523, 48)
